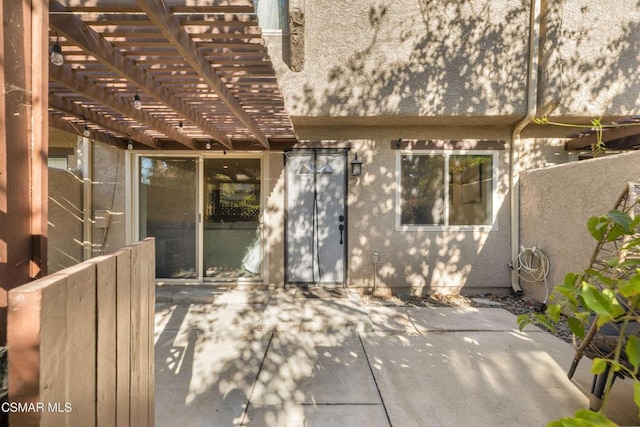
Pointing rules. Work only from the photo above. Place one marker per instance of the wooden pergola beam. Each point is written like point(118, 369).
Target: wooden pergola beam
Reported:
point(209, 6)
point(69, 78)
point(586, 142)
point(75, 30)
point(64, 125)
point(198, 19)
point(159, 13)
point(66, 106)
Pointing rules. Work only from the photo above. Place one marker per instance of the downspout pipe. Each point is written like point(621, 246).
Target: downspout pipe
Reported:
point(514, 149)
point(87, 198)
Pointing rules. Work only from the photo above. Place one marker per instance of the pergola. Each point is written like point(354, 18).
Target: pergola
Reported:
point(624, 137)
point(199, 69)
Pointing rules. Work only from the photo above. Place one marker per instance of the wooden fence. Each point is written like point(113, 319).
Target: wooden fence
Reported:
point(81, 344)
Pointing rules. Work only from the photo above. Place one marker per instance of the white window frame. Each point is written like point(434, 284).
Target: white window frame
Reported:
point(446, 154)
point(284, 14)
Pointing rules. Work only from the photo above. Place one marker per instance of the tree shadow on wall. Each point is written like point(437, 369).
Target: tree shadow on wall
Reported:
point(578, 71)
point(420, 260)
point(449, 58)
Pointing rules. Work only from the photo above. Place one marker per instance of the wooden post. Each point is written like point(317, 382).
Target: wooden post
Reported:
point(39, 137)
point(23, 146)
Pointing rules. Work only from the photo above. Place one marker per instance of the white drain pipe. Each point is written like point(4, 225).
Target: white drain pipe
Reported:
point(514, 154)
point(87, 198)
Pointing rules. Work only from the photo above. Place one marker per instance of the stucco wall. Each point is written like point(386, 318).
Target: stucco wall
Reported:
point(590, 59)
point(416, 261)
point(108, 194)
point(65, 220)
point(425, 261)
point(556, 203)
point(273, 225)
point(538, 153)
point(65, 204)
point(424, 61)
point(428, 62)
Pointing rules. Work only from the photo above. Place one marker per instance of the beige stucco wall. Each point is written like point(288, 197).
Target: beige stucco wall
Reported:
point(423, 61)
point(64, 239)
point(424, 261)
point(273, 218)
point(589, 58)
point(416, 261)
point(556, 203)
point(108, 187)
point(65, 220)
point(542, 152)
point(438, 61)
point(66, 206)
point(449, 70)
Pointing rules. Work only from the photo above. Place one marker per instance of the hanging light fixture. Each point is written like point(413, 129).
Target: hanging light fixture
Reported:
point(137, 104)
point(56, 53)
point(130, 146)
point(356, 166)
point(85, 130)
point(208, 145)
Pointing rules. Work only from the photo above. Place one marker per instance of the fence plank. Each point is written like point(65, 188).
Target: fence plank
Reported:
point(81, 343)
point(53, 370)
point(123, 336)
point(139, 353)
point(106, 345)
point(33, 326)
point(149, 279)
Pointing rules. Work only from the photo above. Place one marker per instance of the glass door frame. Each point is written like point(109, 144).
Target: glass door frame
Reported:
point(132, 211)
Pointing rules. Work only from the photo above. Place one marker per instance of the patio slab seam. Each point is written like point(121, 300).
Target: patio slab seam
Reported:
point(375, 381)
point(255, 381)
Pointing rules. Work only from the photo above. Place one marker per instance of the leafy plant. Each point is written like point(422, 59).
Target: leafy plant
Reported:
point(606, 293)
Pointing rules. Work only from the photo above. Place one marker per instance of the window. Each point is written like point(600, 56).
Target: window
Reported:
point(273, 14)
point(442, 189)
point(60, 157)
point(58, 162)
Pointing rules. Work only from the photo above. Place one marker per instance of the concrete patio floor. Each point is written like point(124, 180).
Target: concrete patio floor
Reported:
point(274, 358)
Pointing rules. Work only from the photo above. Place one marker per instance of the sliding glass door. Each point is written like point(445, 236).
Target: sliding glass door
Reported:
point(168, 211)
point(232, 246)
point(204, 213)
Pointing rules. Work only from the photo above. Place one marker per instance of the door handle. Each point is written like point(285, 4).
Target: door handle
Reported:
point(341, 228)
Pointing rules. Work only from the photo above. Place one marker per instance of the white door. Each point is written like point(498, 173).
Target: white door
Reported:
point(316, 217)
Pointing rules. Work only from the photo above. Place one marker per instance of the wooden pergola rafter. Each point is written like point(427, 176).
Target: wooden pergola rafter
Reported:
point(75, 110)
point(81, 86)
point(618, 138)
point(171, 29)
point(202, 73)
